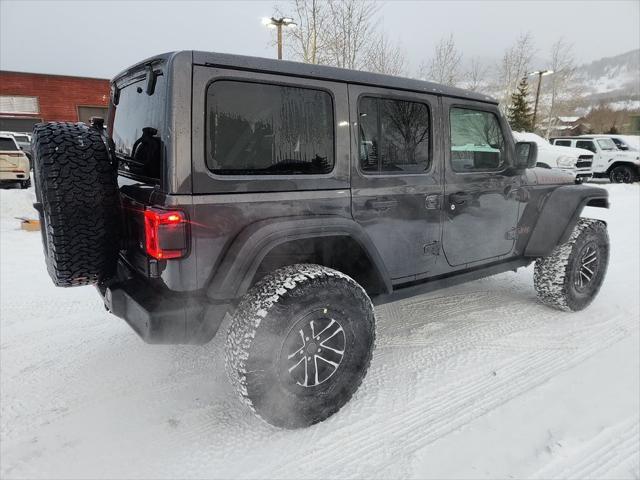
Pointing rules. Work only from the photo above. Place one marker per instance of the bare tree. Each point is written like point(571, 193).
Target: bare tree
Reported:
point(349, 32)
point(514, 65)
point(561, 89)
point(476, 76)
point(307, 41)
point(385, 57)
point(444, 66)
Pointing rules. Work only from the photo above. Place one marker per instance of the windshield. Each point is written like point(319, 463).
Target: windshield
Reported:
point(21, 138)
point(606, 144)
point(8, 145)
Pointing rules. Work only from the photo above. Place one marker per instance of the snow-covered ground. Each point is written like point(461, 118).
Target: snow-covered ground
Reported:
point(476, 381)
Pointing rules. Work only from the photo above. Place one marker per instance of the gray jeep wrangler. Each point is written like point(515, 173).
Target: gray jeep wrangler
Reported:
point(294, 198)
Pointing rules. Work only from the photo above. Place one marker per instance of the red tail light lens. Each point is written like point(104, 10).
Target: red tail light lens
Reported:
point(165, 233)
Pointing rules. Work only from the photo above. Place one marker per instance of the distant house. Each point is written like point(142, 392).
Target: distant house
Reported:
point(567, 126)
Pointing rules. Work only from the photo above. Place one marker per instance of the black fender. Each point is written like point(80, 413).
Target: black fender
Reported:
point(243, 257)
point(559, 214)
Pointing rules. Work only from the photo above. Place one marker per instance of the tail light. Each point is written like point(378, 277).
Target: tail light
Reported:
point(165, 233)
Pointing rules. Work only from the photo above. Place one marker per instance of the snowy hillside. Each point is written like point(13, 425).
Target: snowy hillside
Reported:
point(615, 76)
point(612, 80)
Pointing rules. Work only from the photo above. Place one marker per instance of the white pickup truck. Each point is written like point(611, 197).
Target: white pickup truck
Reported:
point(620, 166)
point(576, 161)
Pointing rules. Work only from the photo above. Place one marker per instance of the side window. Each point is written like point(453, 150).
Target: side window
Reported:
point(587, 145)
point(264, 129)
point(477, 143)
point(394, 136)
point(563, 143)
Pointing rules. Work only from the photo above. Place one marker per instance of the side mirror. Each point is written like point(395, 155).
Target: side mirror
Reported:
point(526, 155)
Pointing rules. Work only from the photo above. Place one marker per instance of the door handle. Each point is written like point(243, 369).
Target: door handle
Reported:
point(458, 198)
point(381, 204)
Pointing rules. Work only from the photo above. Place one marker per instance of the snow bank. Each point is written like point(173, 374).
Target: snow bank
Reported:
point(17, 203)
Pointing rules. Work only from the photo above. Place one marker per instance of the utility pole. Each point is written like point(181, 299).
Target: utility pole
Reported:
point(278, 23)
point(540, 73)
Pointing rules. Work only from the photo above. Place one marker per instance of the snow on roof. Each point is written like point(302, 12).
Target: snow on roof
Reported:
point(568, 119)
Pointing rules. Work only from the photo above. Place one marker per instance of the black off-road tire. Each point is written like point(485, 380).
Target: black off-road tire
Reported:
point(78, 201)
point(267, 320)
point(557, 278)
point(623, 174)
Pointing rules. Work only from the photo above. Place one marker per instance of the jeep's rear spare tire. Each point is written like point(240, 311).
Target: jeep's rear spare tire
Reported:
point(78, 201)
point(300, 344)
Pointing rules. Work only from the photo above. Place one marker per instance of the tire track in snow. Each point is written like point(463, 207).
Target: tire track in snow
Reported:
point(613, 451)
point(452, 406)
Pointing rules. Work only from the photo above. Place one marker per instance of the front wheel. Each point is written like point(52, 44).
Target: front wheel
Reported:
point(622, 174)
point(299, 344)
point(25, 184)
point(571, 277)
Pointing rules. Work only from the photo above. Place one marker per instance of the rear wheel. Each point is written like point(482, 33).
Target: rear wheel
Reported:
point(622, 174)
point(300, 344)
point(571, 277)
point(25, 184)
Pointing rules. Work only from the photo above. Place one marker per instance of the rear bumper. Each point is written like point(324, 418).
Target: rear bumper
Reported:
point(13, 176)
point(160, 316)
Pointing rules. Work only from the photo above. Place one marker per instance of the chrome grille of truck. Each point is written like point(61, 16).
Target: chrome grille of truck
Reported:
point(584, 161)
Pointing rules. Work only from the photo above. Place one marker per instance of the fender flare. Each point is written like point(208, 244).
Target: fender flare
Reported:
point(246, 252)
point(559, 214)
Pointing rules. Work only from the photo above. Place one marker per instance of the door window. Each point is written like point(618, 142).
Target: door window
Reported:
point(394, 136)
point(563, 143)
point(587, 145)
point(607, 144)
point(263, 129)
point(477, 143)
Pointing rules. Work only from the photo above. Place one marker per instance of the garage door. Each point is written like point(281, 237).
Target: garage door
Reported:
point(85, 113)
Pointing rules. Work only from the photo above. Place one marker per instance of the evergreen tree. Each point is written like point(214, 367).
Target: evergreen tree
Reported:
point(520, 115)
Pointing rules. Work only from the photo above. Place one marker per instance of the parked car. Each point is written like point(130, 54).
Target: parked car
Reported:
point(575, 161)
point(14, 164)
point(294, 197)
point(23, 140)
point(623, 142)
point(608, 161)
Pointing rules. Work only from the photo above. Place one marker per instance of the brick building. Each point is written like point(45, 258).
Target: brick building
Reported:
point(29, 98)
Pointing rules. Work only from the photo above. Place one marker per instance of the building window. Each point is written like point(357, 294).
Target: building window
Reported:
point(477, 143)
point(19, 105)
point(263, 129)
point(394, 136)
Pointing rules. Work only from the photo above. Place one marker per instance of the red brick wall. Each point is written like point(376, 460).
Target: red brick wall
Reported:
point(58, 96)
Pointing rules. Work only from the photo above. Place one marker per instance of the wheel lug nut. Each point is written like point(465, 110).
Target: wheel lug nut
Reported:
point(307, 339)
point(308, 358)
point(319, 350)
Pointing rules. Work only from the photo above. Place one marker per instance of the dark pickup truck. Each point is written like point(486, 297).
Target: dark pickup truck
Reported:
point(294, 198)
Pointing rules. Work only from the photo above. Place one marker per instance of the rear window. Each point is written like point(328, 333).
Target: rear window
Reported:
point(563, 143)
point(21, 138)
point(137, 130)
point(7, 144)
point(264, 129)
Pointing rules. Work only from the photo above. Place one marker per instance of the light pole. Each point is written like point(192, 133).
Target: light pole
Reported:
point(540, 73)
point(278, 23)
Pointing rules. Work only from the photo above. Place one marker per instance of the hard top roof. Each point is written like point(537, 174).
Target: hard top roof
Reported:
point(321, 72)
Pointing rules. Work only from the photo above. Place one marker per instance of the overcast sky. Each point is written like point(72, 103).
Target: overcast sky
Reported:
point(100, 38)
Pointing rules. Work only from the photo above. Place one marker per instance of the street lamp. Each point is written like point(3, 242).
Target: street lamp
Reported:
point(540, 73)
point(279, 23)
